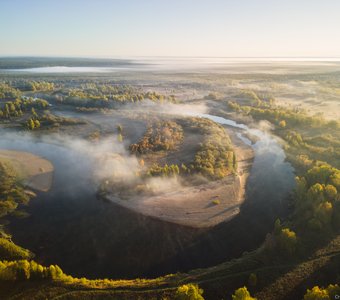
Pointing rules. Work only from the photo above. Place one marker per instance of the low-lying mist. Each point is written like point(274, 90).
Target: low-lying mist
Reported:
point(150, 107)
point(108, 159)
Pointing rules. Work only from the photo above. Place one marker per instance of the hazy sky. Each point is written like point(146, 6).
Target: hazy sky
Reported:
point(251, 28)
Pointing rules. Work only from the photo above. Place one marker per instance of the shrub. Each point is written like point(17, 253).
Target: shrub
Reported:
point(164, 171)
point(242, 294)
point(159, 136)
point(9, 250)
point(316, 294)
point(189, 292)
point(287, 241)
point(282, 124)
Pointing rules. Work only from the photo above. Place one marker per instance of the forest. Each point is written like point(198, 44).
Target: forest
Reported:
point(134, 144)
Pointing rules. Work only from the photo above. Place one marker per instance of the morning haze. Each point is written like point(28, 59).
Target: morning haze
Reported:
point(170, 28)
point(174, 150)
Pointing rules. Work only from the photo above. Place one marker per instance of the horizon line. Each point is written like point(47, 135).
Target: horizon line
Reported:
point(157, 56)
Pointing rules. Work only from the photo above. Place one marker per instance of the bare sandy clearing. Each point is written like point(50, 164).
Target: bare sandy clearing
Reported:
point(205, 205)
point(37, 172)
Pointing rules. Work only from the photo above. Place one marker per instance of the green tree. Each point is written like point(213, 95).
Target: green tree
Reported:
point(189, 292)
point(324, 212)
point(120, 128)
point(34, 113)
point(12, 107)
point(242, 294)
point(287, 241)
point(331, 191)
point(283, 124)
point(316, 293)
point(320, 174)
point(36, 124)
point(30, 124)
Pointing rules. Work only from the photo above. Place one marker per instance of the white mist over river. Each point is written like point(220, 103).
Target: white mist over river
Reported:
point(69, 226)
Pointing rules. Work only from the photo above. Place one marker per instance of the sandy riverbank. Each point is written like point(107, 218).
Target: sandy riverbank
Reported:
point(36, 172)
point(193, 206)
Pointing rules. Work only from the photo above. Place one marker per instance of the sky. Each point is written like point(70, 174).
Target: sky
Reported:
point(194, 28)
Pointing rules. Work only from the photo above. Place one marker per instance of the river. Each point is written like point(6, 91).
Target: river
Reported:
point(70, 227)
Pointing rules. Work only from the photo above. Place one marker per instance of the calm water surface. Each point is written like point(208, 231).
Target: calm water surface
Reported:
point(88, 237)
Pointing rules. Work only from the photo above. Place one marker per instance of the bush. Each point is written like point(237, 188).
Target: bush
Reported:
point(160, 136)
point(317, 293)
point(282, 124)
point(189, 292)
point(25, 270)
point(215, 158)
point(165, 171)
point(9, 250)
point(317, 197)
point(287, 241)
point(242, 294)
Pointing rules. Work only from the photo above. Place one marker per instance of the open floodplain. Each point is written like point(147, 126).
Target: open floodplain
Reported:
point(138, 169)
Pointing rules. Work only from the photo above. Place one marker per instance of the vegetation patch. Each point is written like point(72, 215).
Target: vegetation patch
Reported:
point(160, 136)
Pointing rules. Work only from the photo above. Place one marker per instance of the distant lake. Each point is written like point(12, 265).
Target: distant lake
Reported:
point(185, 64)
point(62, 69)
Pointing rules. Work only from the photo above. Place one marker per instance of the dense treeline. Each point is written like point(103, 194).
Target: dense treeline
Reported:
point(307, 149)
point(92, 95)
point(194, 292)
point(48, 119)
point(16, 108)
point(282, 241)
point(11, 192)
point(316, 208)
point(8, 92)
point(259, 99)
point(33, 114)
point(165, 135)
point(32, 85)
point(25, 270)
point(164, 171)
point(11, 251)
point(82, 95)
point(308, 137)
point(215, 159)
point(275, 114)
point(12, 195)
point(212, 157)
point(317, 199)
point(329, 293)
point(313, 147)
point(314, 219)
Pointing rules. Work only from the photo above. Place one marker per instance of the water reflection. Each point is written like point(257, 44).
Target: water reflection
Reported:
point(68, 226)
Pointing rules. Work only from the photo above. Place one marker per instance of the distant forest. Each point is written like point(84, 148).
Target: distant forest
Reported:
point(39, 62)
